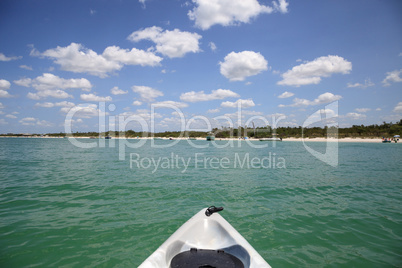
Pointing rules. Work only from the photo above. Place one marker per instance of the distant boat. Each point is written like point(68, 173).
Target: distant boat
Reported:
point(108, 137)
point(386, 141)
point(211, 136)
point(271, 139)
point(170, 139)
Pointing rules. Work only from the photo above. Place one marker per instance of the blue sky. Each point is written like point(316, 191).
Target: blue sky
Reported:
point(280, 60)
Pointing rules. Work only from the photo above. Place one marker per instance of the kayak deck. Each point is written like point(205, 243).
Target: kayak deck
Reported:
point(204, 233)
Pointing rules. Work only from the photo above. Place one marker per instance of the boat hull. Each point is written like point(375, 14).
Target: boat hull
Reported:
point(271, 139)
point(203, 232)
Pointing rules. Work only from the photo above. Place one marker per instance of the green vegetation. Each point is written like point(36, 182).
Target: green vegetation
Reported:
point(356, 131)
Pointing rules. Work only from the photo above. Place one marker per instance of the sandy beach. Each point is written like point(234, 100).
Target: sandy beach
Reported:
point(291, 139)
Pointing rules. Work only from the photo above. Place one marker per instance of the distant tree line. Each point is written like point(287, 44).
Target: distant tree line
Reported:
point(356, 131)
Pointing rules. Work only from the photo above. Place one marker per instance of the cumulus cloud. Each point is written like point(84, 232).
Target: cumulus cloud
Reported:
point(54, 93)
point(147, 94)
point(286, 95)
point(323, 98)
point(56, 104)
point(239, 66)
point(243, 103)
point(211, 111)
point(31, 121)
point(212, 46)
point(217, 94)
point(392, 77)
point(118, 91)
point(367, 83)
point(137, 103)
point(312, 72)
point(4, 94)
point(230, 12)
point(93, 97)
point(50, 81)
point(355, 116)
point(5, 58)
point(11, 116)
point(50, 85)
point(398, 108)
point(78, 59)
point(363, 110)
point(4, 86)
point(176, 104)
point(26, 67)
point(82, 110)
point(174, 44)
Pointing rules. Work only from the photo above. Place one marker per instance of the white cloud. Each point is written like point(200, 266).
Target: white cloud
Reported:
point(11, 116)
point(212, 46)
point(355, 116)
point(78, 59)
point(243, 103)
point(24, 82)
point(217, 94)
point(26, 67)
point(378, 109)
point(137, 103)
point(57, 104)
point(83, 110)
point(398, 108)
point(131, 57)
point(4, 94)
point(4, 84)
point(239, 66)
point(174, 44)
point(1, 105)
point(363, 110)
point(31, 121)
point(147, 94)
point(176, 104)
point(312, 72)
point(230, 12)
point(50, 85)
point(117, 91)
point(142, 2)
point(50, 81)
point(54, 93)
point(367, 83)
point(93, 97)
point(286, 95)
point(5, 58)
point(394, 76)
point(323, 98)
point(211, 111)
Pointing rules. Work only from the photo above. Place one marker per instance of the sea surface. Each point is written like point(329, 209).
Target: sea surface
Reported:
point(113, 205)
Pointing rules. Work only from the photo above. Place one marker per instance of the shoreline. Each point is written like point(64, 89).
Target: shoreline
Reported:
point(291, 139)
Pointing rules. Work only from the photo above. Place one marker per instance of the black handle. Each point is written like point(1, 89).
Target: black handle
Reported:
point(212, 209)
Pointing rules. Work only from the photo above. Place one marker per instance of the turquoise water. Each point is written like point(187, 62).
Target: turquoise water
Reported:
point(64, 206)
